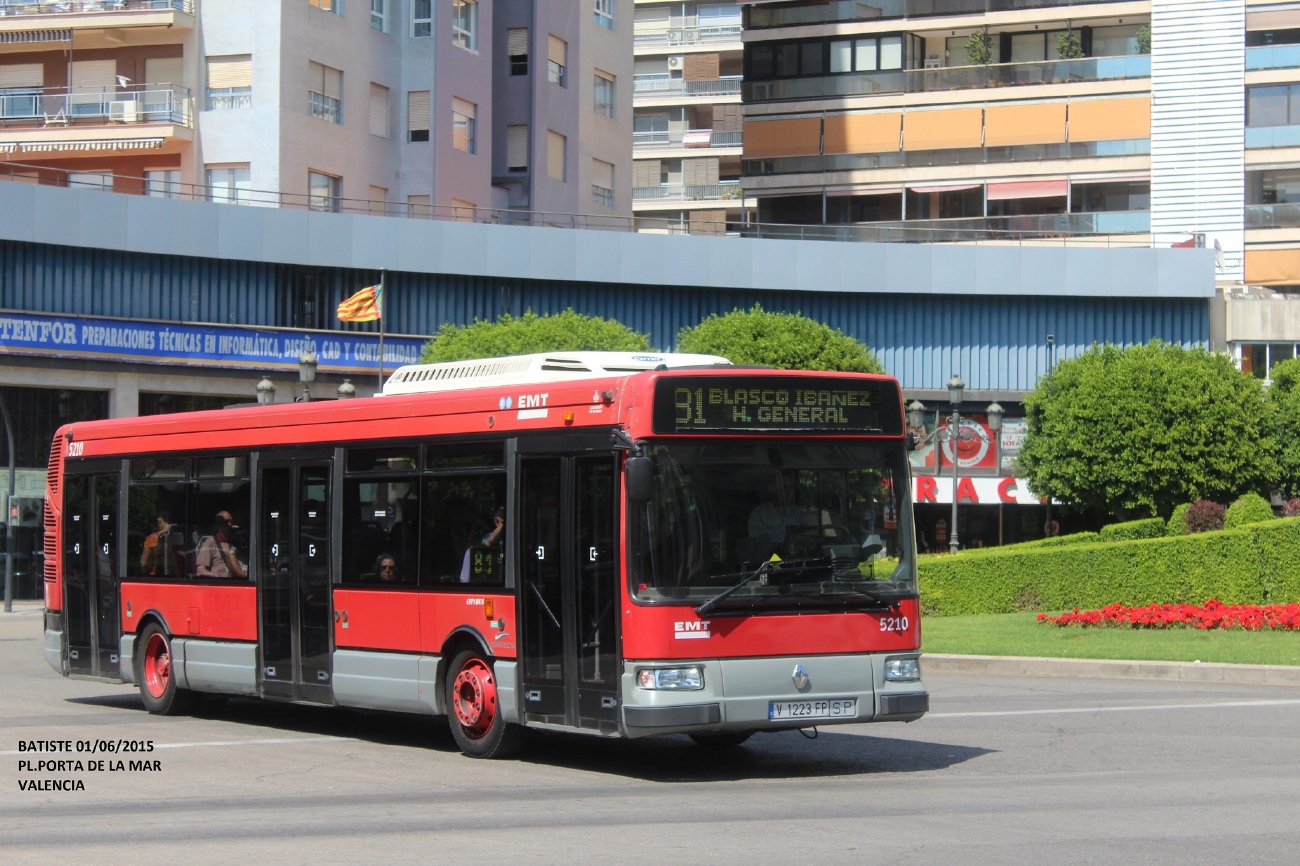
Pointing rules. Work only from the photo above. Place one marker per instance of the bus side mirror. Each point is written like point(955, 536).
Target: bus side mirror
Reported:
point(640, 475)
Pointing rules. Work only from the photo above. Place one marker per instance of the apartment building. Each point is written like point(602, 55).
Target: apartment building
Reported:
point(1164, 122)
point(398, 107)
point(687, 126)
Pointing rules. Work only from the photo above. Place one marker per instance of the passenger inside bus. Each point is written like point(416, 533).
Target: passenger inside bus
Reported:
point(216, 556)
point(771, 519)
point(386, 569)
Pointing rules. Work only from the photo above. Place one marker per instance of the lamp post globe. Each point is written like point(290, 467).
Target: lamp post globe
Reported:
point(915, 414)
point(347, 390)
point(265, 391)
point(307, 373)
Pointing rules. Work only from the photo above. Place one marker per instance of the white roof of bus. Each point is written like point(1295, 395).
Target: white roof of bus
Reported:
point(531, 369)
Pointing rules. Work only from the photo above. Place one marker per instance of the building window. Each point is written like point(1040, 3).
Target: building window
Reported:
point(417, 115)
point(378, 110)
point(811, 58)
point(324, 92)
point(1132, 195)
point(323, 191)
point(517, 147)
point(90, 180)
point(604, 10)
point(378, 14)
point(462, 211)
point(229, 183)
point(230, 82)
point(602, 182)
point(557, 57)
point(556, 145)
point(163, 183)
point(419, 207)
point(421, 18)
point(464, 23)
point(1274, 105)
point(604, 93)
point(335, 6)
point(378, 200)
point(1257, 359)
point(517, 50)
point(462, 125)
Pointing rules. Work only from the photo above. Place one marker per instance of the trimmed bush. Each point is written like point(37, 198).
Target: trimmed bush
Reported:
point(1256, 564)
point(1251, 508)
point(1178, 520)
point(1205, 516)
point(1055, 541)
point(1150, 527)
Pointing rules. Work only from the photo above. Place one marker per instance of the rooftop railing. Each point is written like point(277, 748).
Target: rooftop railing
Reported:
point(95, 106)
point(1061, 230)
point(687, 138)
point(73, 7)
point(761, 17)
point(689, 30)
point(952, 78)
point(688, 192)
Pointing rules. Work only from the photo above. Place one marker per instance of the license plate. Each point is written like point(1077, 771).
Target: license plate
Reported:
point(831, 708)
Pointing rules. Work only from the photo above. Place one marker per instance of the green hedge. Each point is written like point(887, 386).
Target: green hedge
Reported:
point(1259, 563)
point(1151, 527)
point(1251, 508)
point(1054, 541)
point(1178, 520)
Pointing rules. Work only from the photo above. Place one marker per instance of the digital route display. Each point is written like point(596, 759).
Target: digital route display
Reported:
point(771, 404)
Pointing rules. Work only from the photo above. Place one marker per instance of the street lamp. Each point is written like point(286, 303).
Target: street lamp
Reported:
point(347, 390)
point(956, 387)
point(265, 391)
point(306, 374)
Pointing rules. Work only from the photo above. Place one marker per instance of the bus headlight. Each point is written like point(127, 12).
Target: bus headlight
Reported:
point(902, 670)
point(670, 679)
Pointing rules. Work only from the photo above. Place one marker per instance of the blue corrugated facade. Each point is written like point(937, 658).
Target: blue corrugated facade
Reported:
point(993, 342)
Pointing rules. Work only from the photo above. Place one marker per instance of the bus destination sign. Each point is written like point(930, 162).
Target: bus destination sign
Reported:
point(772, 404)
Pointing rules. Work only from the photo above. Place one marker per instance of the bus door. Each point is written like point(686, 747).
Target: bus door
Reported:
point(293, 580)
point(90, 572)
point(568, 591)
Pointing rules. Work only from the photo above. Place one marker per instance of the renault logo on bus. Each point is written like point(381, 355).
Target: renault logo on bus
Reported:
point(800, 678)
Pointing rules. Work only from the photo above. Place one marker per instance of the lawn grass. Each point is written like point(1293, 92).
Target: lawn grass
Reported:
point(1020, 634)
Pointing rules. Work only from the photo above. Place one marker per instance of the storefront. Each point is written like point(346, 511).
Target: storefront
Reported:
point(58, 369)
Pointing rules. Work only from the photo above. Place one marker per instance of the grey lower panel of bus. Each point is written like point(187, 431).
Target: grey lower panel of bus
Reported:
point(406, 683)
point(737, 694)
point(54, 649)
point(215, 666)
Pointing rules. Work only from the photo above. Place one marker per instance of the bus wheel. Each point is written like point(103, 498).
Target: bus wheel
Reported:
point(721, 741)
point(155, 675)
point(473, 711)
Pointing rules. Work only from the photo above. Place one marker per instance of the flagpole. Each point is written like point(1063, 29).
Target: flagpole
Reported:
point(383, 273)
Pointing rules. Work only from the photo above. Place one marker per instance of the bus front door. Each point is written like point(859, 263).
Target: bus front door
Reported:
point(90, 563)
point(568, 591)
point(293, 581)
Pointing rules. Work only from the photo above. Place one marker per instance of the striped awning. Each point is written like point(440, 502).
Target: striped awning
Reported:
point(106, 144)
point(8, 147)
point(18, 37)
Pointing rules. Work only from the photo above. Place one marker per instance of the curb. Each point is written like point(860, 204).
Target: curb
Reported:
point(1188, 672)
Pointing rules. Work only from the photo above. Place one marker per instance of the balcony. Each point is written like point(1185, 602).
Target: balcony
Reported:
point(17, 17)
point(687, 31)
point(63, 107)
point(688, 192)
point(686, 138)
point(662, 84)
point(1273, 57)
point(1108, 229)
point(1273, 216)
point(952, 78)
point(1272, 136)
point(953, 156)
point(856, 10)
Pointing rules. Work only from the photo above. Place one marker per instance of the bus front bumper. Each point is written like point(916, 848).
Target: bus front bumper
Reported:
point(769, 693)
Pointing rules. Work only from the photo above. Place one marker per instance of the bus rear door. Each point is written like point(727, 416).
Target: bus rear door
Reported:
point(568, 593)
point(90, 569)
point(293, 580)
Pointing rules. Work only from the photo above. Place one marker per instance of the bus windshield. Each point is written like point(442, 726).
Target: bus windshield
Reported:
point(721, 510)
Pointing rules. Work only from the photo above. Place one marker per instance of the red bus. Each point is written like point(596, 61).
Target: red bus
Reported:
point(611, 544)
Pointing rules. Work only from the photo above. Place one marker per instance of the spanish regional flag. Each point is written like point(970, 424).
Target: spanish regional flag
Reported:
point(363, 306)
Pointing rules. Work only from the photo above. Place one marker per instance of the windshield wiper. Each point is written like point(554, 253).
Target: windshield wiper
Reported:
point(708, 606)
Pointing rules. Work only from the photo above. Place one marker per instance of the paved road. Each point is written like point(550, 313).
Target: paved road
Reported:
point(1005, 770)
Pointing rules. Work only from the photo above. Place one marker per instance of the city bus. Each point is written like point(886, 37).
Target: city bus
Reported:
point(611, 544)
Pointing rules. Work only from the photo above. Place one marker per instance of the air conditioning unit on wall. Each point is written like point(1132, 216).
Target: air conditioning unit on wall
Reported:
point(676, 61)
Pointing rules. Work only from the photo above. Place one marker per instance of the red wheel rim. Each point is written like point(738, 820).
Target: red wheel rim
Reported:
point(474, 698)
point(157, 665)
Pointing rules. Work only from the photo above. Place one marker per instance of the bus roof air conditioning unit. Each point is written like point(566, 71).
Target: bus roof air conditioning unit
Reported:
point(676, 61)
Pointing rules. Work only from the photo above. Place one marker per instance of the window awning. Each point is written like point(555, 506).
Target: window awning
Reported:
point(19, 37)
point(1027, 189)
point(950, 188)
point(845, 190)
point(106, 144)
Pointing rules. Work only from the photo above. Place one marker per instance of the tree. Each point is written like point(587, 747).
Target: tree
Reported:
point(1284, 400)
point(1144, 39)
point(787, 341)
point(1139, 430)
point(979, 48)
point(529, 333)
point(1068, 45)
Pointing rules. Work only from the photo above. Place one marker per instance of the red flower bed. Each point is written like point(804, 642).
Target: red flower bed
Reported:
point(1212, 614)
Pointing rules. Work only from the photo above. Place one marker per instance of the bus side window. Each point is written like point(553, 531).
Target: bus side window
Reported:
point(462, 542)
point(381, 518)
